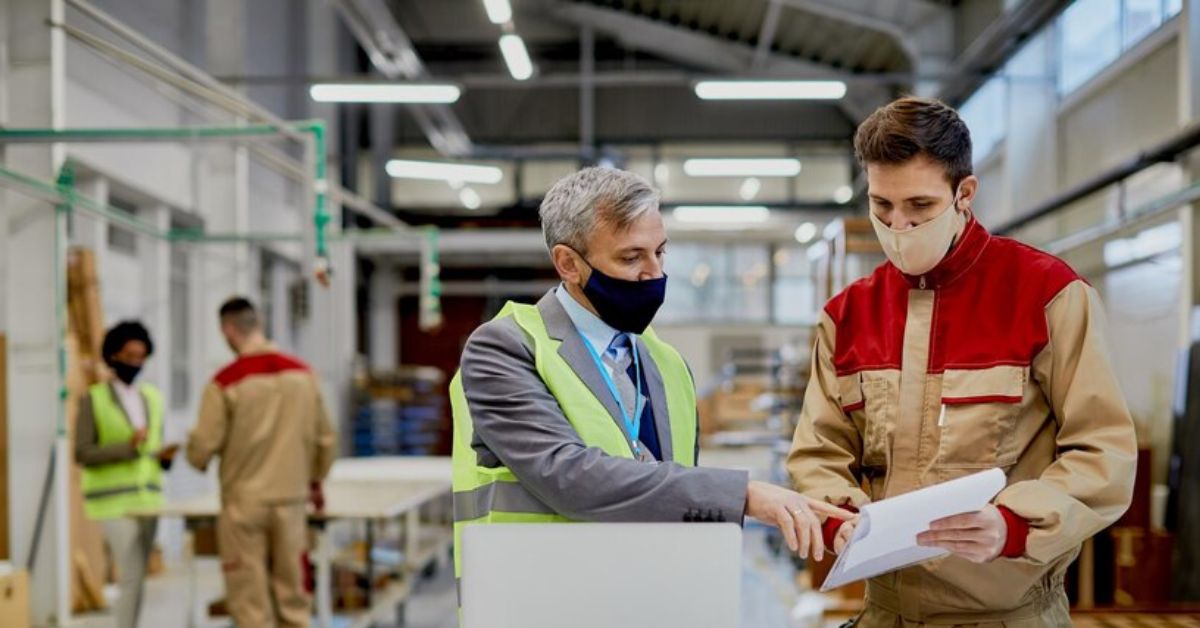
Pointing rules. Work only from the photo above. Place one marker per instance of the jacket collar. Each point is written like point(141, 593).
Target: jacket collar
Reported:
point(966, 251)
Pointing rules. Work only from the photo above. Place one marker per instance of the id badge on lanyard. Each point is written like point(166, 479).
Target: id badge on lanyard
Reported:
point(633, 421)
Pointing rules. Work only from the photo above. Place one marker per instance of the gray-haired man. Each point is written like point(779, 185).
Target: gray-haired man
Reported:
point(573, 410)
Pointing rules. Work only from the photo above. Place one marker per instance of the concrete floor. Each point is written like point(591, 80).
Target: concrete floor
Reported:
point(768, 594)
point(769, 598)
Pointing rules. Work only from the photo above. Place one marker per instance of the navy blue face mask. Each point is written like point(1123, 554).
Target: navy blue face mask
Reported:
point(627, 306)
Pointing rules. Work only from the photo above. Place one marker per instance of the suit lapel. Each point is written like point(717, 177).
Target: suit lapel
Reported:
point(657, 392)
point(576, 355)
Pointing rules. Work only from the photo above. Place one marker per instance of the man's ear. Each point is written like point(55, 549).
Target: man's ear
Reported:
point(966, 192)
point(567, 263)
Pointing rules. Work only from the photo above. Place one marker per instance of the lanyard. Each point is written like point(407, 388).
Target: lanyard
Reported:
point(633, 421)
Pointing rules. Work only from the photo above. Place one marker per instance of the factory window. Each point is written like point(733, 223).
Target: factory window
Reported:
point(735, 283)
point(986, 115)
point(1093, 33)
point(1141, 17)
point(794, 290)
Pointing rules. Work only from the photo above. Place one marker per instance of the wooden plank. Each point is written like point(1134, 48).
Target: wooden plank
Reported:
point(84, 367)
point(87, 317)
point(87, 538)
point(4, 474)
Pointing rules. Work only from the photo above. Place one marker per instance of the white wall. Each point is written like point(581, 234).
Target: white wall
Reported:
point(1053, 143)
point(214, 184)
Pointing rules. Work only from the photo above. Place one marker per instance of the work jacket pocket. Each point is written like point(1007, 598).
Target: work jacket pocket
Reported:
point(977, 416)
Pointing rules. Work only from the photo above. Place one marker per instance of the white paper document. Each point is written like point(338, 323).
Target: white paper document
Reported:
point(886, 537)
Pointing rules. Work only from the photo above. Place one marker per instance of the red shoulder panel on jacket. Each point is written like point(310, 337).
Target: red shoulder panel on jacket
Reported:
point(994, 314)
point(870, 316)
point(258, 364)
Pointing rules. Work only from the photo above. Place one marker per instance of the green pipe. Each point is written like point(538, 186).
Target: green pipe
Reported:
point(320, 186)
point(200, 236)
point(64, 192)
point(31, 135)
point(66, 188)
point(316, 128)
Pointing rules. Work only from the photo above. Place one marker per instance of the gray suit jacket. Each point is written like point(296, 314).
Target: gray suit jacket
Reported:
point(519, 425)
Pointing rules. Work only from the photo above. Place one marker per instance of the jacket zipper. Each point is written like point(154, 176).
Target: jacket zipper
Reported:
point(921, 285)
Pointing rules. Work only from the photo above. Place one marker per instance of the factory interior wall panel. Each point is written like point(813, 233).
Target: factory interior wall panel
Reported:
point(173, 24)
point(101, 95)
point(277, 204)
point(1124, 114)
point(992, 204)
point(1032, 97)
point(1142, 310)
point(703, 346)
point(1135, 108)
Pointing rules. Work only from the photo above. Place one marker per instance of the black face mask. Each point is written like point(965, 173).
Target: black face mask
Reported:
point(627, 306)
point(125, 372)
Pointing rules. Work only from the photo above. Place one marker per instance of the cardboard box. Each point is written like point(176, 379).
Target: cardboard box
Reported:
point(14, 600)
point(732, 407)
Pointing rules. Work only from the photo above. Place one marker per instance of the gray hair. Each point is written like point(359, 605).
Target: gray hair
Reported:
point(576, 203)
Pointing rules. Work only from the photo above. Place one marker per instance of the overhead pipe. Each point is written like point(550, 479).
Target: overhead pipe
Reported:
point(191, 79)
point(313, 131)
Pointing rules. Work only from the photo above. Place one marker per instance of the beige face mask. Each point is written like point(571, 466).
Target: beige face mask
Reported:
point(918, 250)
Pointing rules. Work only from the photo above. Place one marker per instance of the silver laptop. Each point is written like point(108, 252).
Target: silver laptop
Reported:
point(657, 575)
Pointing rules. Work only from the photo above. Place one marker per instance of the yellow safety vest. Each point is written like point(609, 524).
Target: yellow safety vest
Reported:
point(493, 494)
point(112, 490)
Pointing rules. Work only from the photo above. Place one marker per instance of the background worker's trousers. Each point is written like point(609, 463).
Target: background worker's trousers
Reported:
point(261, 545)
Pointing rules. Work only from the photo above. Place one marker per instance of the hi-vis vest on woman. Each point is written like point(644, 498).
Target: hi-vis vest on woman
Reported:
point(112, 490)
point(495, 495)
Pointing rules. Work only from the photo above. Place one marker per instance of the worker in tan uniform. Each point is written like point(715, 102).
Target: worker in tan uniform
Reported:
point(264, 416)
point(963, 352)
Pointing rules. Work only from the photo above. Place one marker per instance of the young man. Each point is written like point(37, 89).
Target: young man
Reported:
point(264, 416)
point(119, 443)
point(963, 352)
point(574, 410)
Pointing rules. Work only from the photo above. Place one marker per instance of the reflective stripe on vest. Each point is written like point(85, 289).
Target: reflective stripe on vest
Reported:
point(494, 495)
point(112, 490)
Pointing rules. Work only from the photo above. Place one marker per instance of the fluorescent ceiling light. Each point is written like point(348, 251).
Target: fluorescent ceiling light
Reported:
point(498, 11)
point(470, 198)
point(770, 90)
point(443, 171)
point(750, 188)
point(662, 174)
point(843, 194)
point(806, 232)
point(742, 167)
point(385, 92)
point(516, 57)
point(721, 214)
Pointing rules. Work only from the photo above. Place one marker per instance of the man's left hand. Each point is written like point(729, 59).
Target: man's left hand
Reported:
point(978, 536)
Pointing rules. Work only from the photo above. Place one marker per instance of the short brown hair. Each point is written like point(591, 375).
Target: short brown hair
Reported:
point(240, 312)
point(912, 127)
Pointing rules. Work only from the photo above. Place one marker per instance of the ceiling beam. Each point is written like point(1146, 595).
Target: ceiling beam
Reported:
point(766, 33)
point(393, 54)
point(839, 12)
point(690, 48)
